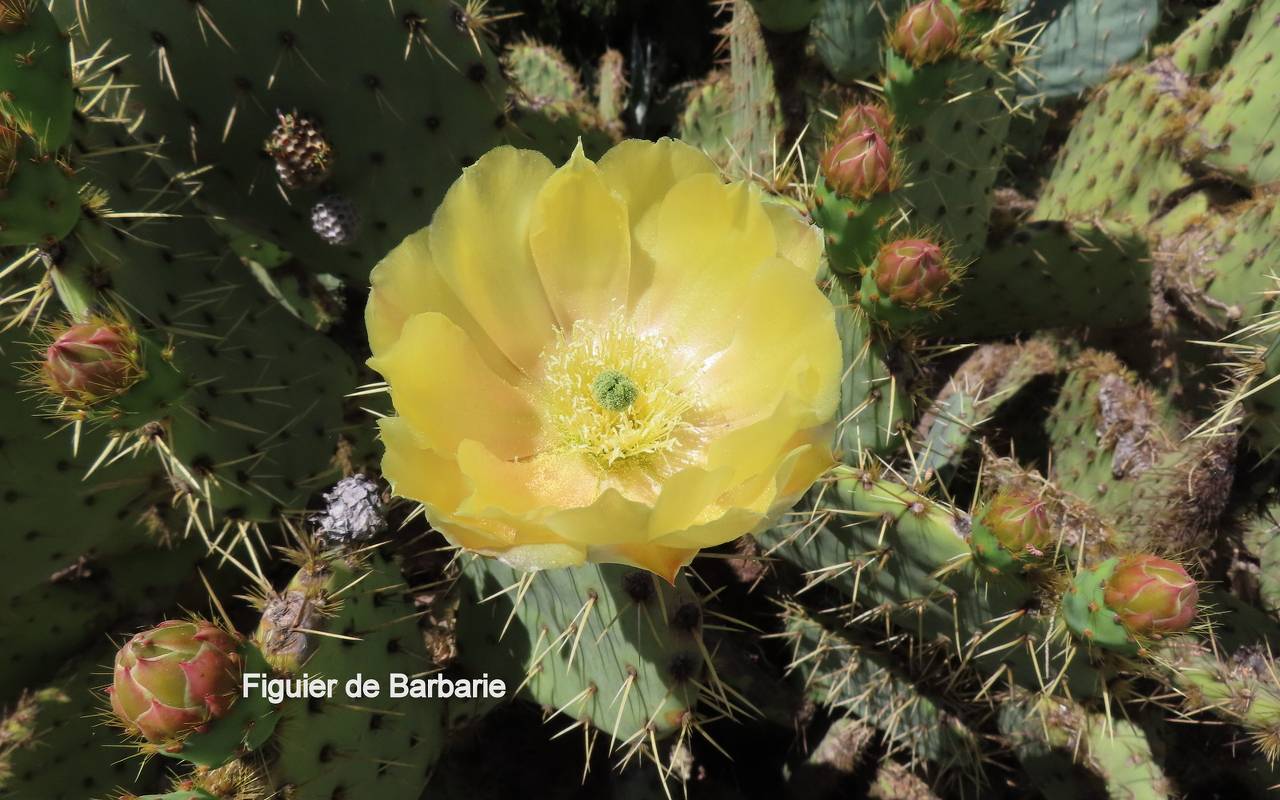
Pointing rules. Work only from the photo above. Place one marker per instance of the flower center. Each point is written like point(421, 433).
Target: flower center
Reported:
point(613, 390)
point(613, 394)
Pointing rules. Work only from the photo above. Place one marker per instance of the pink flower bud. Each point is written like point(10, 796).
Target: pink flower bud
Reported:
point(911, 271)
point(859, 165)
point(175, 677)
point(1152, 595)
point(1019, 519)
point(91, 360)
point(865, 117)
point(926, 32)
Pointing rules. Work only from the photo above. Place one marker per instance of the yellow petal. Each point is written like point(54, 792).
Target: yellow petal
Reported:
point(480, 240)
point(734, 523)
point(799, 241)
point(581, 243)
point(686, 496)
point(440, 385)
point(532, 557)
point(611, 519)
point(416, 471)
point(785, 341)
point(642, 173)
point(406, 282)
point(521, 487)
point(754, 450)
point(706, 240)
point(664, 562)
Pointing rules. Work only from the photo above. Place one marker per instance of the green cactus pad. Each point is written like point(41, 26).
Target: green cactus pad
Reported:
point(1120, 161)
point(853, 229)
point(856, 679)
point(1082, 40)
point(705, 121)
point(994, 375)
point(1119, 445)
point(1238, 129)
point(39, 203)
point(370, 747)
point(543, 78)
point(1086, 613)
point(403, 125)
point(905, 555)
point(786, 16)
point(848, 35)
point(55, 746)
point(1050, 736)
point(607, 644)
point(35, 78)
point(1050, 275)
point(955, 116)
point(874, 403)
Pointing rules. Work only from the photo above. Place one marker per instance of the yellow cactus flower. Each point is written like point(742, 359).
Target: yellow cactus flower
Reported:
point(623, 361)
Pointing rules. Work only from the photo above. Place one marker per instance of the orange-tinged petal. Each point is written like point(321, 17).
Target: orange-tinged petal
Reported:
point(665, 562)
point(441, 386)
point(480, 241)
point(581, 243)
point(405, 283)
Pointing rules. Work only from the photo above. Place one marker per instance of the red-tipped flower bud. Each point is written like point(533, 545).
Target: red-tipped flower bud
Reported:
point(1019, 519)
point(92, 361)
point(859, 165)
point(1152, 595)
point(174, 678)
point(865, 117)
point(926, 32)
point(911, 271)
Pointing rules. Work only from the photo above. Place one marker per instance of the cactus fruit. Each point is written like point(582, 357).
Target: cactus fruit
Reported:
point(175, 678)
point(865, 117)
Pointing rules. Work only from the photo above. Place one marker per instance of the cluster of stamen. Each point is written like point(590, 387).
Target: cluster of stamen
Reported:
point(613, 394)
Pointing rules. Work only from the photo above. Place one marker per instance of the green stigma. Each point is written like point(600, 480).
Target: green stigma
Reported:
point(613, 390)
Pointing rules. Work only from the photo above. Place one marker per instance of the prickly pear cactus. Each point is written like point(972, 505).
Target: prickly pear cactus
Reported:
point(1039, 553)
